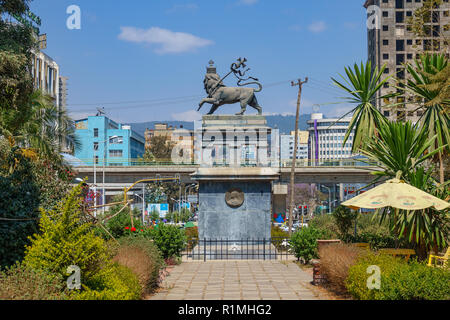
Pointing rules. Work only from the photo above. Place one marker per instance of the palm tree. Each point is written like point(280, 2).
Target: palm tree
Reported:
point(38, 129)
point(400, 151)
point(399, 147)
point(435, 120)
point(362, 84)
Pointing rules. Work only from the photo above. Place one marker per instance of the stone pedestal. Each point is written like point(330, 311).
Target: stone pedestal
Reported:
point(235, 203)
point(235, 177)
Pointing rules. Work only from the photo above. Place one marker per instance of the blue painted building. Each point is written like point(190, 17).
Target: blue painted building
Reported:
point(102, 138)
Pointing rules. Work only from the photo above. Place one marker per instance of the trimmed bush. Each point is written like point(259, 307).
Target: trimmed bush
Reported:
point(335, 261)
point(304, 244)
point(169, 239)
point(399, 280)
point(141, 256)
point(114, 282)
point(23, 283)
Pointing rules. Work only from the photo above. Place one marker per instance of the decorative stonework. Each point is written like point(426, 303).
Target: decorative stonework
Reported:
point(234, 198)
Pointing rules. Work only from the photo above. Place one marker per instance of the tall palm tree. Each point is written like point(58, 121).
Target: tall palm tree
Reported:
point(435, 120)
point(400, 151)
point(362, 84)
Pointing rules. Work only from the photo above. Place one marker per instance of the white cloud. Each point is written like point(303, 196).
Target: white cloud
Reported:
point(167, 41)
point(190, 115)
point(248, 2)
point(317, 26)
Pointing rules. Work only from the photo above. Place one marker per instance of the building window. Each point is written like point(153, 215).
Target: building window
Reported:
point(386, 70)
point(400, 59)
point(385, 85)
point(385, 14)
point(409, 56)
point(400, 17)
point(95, 146)
point(400, 45)
point(386, 113)
point(95, 132)
point(96, 159)
point(385, 28)
point(385, 56)
point(115, 153)
point(399, 4)
point(116, 140)
point(409, 42)
point(385, 42)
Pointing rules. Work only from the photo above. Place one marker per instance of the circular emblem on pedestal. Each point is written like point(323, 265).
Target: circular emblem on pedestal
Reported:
point(234, 198)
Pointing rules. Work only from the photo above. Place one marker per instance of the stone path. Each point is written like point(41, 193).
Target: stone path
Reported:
point(237, 280)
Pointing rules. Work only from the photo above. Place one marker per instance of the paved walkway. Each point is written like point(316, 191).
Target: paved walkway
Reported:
point(237, 280)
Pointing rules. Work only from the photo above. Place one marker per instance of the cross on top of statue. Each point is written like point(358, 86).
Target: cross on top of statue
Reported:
point(219, 94)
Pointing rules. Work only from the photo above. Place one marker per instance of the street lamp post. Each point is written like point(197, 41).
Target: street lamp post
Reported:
point(329, 198)
point(104, 161)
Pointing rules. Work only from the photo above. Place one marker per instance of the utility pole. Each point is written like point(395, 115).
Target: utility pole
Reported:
point(300, 84)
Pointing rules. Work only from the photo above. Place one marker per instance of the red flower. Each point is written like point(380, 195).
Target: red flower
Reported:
point(127, 228)
point(133, 229)
point(142, 230)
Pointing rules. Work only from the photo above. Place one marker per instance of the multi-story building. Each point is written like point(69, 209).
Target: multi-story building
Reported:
point(45, 73)
point(392, 42)
point(287, 145)
point(173, 135)
point(326, 137)
point(106, 141)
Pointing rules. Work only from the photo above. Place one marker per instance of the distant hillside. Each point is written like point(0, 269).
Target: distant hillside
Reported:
point(285, 124)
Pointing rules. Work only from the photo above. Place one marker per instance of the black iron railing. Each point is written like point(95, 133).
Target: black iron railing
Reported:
point(240, 249)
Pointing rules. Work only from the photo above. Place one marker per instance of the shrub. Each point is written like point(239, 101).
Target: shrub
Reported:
point(345, 219)
point(169, 239)
point(191, 237)
point(142, 257)
point(65, 240)
point(335, 261)
point(326, 224)
point(23, 283)
point(304, 244)
point(113, 282)
point(116, 226)
point(19, 196)
point(399, 280)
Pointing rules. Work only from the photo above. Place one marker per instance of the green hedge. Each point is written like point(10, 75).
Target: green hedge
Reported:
point(114, 282)
point(399, 280)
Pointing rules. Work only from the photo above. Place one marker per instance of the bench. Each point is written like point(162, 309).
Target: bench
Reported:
point(399, 252)
point(439, 261)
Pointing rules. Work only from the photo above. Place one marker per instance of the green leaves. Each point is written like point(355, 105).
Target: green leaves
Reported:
point(398, 147)
point(362, 85)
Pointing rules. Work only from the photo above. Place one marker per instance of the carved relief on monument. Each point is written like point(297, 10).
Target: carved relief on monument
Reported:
point(234, 198)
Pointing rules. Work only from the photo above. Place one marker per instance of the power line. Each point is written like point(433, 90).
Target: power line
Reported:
point(156, 102)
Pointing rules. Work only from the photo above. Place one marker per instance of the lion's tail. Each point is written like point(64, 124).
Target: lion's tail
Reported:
point(249, 83)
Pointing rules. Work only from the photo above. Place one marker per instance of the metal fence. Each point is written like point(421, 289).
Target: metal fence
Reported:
point(241, 249)
point(119, 162)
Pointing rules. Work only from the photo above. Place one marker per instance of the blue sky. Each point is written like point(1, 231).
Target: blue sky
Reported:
point(144, 60)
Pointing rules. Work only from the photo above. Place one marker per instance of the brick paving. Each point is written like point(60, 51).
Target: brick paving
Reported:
point(237, 280)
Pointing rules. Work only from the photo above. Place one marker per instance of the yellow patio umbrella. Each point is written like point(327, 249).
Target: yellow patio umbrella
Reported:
point(397, 194)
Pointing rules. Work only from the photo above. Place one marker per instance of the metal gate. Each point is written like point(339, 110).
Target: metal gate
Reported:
point(241, 249)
